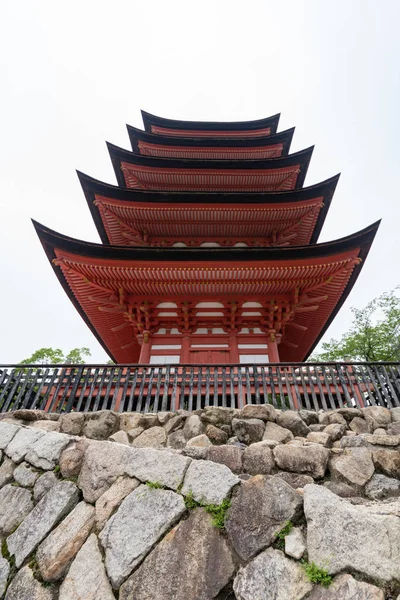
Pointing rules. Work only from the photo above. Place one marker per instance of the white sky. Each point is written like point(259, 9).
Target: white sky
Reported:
point(72, 74)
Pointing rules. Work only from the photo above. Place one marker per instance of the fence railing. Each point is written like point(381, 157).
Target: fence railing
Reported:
point(153, 388)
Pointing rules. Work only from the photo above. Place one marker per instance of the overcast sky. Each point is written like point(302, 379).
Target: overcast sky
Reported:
point(74, 73)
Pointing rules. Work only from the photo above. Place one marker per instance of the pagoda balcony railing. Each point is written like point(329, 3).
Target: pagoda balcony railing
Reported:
point(154, 388)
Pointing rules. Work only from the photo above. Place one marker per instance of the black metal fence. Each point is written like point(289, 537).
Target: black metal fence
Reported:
point(153, 388)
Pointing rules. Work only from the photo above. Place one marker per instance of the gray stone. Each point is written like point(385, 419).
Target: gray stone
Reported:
point(354, 466)
point(258, 512)
point(199, 576)
point(100, 425)
point(148, 420)
point(24, 586)
point(164, 416)
point(25, 476)
point(295, 544)
point(290, 419)
point(6, 471)
point(217, 415)
point(216, 435)
point(128, 421)
point(335, 418)
point(381, 487)
point(44, 484)
point(28, 414)
point(7, 432)
point(4, 573)
point(46, 425)
point(360, 538)
point(258, 459)
point(176, 440)
point(200, 441)
point(173, 424)
point(316, 427)
point(310, 417)
point(311, 460)
point(270, 443)
point(143, 517)
point(193, 427)
point(48, 512)
point(58, 550)
point(209, 482)
point(345, 587)
point(377, 416)
point(387, 462)
point(134, 433)
point(395, 414)
point(349, 413)
point(120, 437)
point(112, 498)
point(86, 578)
point(359, 425)
point(394, 428)
point(198, 453)
point(344, 490)
point(380, 431)
point(155, 437)
point(278, 433)
point(72, 423)
point(15, 503)
point(71, 458)
point(335, 431)
point(382, 440)
point(265, 412)
point(22, 442)
point(295, 480)
point(320, 437)
point(271, 576)
point(231, 456)
point(248, 431)
point(45, 452)
point(104, 462)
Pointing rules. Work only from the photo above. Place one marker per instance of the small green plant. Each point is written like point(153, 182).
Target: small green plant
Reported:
point(190, 502)
point(280, 536)
point(218, 513)
point(316, 574)
point(155, 485)
point(56, 469)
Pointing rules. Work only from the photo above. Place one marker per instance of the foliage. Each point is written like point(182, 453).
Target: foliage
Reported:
point(280, 536)
point(374, 334)
point(316, 574)
point(54, 356)
point(155, 485)
point(217, 511)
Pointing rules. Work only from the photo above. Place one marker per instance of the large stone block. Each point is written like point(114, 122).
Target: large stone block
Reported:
point(24, 586)
point(345, 587)
point(258, 459)
point(7, 432)
point(360, 538)
point(290, 419)
point(48, 512)
point(200, 575)
point(112, 498)
point(4, 573)
point(143, 517)
point(45, 452)
point(258, 513)
point(271, 576)
point(58, 550)
point(209, 482)
point(273, 431)
point(22, 442)
point(100, 425)
point(15, 504)
point(248, 431)
point(354, 467)
point(311, 460)
point(86, 578)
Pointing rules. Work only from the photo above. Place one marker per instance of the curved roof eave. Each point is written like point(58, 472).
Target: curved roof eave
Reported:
point(92, 186)
point(284, 137)
point(149, 120)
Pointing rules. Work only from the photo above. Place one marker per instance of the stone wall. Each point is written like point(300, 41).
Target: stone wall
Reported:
point(218, 503)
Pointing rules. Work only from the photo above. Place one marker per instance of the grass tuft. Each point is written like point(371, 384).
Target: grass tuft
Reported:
point(155, 485)
point(280, 536)
point(316, 574)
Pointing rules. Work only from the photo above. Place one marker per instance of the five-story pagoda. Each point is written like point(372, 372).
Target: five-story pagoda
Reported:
point(209, 248)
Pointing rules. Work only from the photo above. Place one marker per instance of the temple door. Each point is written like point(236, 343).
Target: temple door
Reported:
point(209, 356)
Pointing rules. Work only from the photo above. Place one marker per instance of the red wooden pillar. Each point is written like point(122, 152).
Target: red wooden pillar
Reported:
point(233, 347)
point(185, 350)
point(145, 349)
point(273, 353)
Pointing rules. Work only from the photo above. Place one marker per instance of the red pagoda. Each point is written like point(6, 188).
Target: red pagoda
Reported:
point(209, 249)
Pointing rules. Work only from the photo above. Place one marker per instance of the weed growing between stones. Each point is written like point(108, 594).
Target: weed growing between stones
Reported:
point(57, 470)
point(217, 511)
point(155, 485)
point(316, 574)
point(280, 536)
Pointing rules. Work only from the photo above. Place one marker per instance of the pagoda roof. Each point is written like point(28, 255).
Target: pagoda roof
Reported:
point(117, 211)
point(174, 127)
point(150, 144)
point(147, 172)
point(115, 288)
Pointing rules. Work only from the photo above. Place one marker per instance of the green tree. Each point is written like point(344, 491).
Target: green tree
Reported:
point(374, 334)
point(54, 356)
